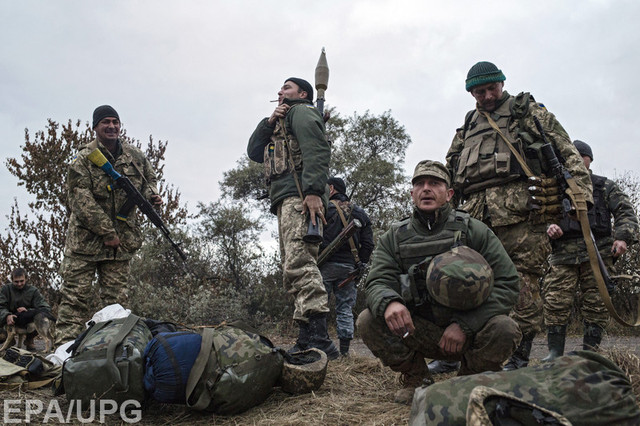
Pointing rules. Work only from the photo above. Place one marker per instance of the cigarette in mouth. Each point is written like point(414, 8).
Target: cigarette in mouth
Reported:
point(275, 100)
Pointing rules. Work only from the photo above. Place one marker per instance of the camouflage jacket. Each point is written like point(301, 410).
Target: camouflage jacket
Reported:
point(506, 203)
point(571, 250)
point(27, 297)
point(304, 123)
point(383, 282)
point(94, 204)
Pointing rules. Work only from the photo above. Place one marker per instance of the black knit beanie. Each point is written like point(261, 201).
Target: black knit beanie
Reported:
point(304, 85)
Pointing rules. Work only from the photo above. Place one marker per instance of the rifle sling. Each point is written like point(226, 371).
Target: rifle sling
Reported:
point(513, 149)
point(578, 199)
point(352, 244)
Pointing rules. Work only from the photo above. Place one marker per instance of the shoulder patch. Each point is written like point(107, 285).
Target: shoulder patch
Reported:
point(73, 160)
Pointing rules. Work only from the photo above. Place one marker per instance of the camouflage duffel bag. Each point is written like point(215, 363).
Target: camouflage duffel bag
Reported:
point(107, 362)
point(234, 370)
point(583, 388)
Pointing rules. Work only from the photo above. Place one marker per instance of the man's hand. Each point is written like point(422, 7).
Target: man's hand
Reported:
point(114, 243)
point(452, 339)
point(618, 248)
point(156, 200)
point(11, 319)
point(554, 231)
point(313, 205)
point(21, 309)
point(398, 319)
point(278, 113)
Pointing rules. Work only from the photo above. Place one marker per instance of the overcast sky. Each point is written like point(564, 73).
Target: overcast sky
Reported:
point(200, 74)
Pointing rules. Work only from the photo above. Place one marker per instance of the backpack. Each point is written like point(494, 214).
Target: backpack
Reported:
point(168, 359)
point(582, 388)
point(107, 362)
point(22, 369)
point(234, 370)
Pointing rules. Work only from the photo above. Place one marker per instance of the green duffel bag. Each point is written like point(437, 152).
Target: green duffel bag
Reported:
point(108, 363)
point(234, 370)
point(583, 388)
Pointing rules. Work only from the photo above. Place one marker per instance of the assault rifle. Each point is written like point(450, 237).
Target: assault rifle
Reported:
point(566, 181)
point(134, 197)
point(344, 235)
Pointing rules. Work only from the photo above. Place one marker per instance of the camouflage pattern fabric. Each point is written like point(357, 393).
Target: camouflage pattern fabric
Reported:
point(94, 204)
point(560, 287)
point(460, 278)
point(586, 388)
point(77, 290)
point(528, 247)
point(301, 276)
point(235, 370)
point(304, 371)
point(108, 362)
point(484, 351)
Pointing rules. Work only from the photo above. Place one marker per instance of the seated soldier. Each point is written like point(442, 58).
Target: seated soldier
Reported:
point(441, 286)
point(20, 302)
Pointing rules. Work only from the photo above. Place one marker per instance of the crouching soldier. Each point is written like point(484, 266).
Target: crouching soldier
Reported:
point(441, 286)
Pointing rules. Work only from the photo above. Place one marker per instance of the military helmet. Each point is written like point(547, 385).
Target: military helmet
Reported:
point(459, 278)
point(303, 371)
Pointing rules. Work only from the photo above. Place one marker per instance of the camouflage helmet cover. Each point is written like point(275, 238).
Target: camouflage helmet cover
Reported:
point(459, 278)
point(303, 371)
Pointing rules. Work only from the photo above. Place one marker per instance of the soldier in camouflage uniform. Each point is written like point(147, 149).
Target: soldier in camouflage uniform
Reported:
point(96, 241)
point(491, 185)
point(570, 269)
point(294, 149)
point(440, 286)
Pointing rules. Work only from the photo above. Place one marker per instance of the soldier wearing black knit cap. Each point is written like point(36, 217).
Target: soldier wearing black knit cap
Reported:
point(294, 149)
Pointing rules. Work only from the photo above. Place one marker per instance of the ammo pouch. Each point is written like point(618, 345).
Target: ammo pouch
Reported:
point(108, 363)
point(278, 157)
point(22, 369)
point(413, 285)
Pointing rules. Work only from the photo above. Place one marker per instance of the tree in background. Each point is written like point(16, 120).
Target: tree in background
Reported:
point(35, 240)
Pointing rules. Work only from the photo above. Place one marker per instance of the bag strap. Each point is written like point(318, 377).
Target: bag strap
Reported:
point(513, 149)
point(194, 384)
point(296, 178)
point(352, 244)
point(125, 329)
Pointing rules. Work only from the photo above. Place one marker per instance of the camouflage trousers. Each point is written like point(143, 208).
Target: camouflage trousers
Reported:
point(78, 292)
point(528, 247)
point(484, 351)
point(301, 276)
point(560, 288)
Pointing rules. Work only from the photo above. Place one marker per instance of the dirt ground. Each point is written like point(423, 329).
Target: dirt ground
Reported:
point(357, 390)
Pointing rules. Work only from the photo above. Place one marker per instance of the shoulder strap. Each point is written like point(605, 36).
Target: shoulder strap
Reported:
point(296, 178)
point(513, 149)
point(127, 326)
point(197, 371)
point(352, 244)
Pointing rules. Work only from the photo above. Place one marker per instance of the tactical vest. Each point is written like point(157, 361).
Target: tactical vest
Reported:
point(599, 214)
point(416, 251)
point(486, 160)
point(276, 154)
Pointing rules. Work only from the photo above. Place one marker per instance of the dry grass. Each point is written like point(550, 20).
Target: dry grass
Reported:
point(357, 390)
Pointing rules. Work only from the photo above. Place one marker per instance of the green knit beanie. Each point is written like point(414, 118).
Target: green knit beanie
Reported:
point(482, 73)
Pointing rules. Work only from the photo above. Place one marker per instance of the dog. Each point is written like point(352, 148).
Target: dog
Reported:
point(42, 324)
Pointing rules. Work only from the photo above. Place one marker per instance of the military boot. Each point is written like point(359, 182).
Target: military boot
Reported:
point(439, 366)
point(416, 375)
point(520, 357)
point(592, 336)
point(303, 338)
point(344, 347)
point(555, 342)
point(319, 337)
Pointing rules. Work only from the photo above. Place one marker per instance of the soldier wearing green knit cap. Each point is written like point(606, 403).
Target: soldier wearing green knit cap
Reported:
point(490, 182)
point(440, 286)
